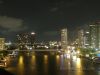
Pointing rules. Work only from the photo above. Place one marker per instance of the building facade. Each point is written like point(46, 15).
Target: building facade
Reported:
point(2, 43)
point(25, 40)
point(94, 35)
point(80, 38)
point(64, 41)
point(86, 39)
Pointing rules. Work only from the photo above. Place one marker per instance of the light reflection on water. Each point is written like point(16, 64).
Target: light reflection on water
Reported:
point(78, 63)
point(45, 59)
point(79, 70)
point(46, 64)
point(43, 64)
point(33, 62)
point(21, 65)
point(57, 61)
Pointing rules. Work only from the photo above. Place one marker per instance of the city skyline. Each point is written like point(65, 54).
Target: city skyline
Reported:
point(46, 17)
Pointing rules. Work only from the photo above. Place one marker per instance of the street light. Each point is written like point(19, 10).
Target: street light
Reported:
point(32, 33)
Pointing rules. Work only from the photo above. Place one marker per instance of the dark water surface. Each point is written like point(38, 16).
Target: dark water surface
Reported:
point(50, 64)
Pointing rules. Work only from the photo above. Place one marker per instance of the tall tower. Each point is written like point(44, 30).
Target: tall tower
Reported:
point(64, 38)
point(86, 39)
point(94, 39)
point(80, 38)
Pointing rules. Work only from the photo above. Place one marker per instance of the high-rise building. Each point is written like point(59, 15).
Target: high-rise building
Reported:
point(81, 38)
point(2, 43)
point(26, 38)
point(64, 41)
point(86, 39)
point(94, 37)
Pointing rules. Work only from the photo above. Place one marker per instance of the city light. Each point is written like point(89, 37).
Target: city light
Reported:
point(68, 56)
point(50, 37)
point(32, 33)
point(78, 52)
point(87, 32)
point(75, 58)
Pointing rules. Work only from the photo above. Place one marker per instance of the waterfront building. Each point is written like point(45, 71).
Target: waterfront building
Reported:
point(24, 40)
point(2, 43)
point(86, 39)
point(94, 35)
point(80, 38)
point(64, 41)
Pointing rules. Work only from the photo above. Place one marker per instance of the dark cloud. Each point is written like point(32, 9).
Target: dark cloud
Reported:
point(10, 24)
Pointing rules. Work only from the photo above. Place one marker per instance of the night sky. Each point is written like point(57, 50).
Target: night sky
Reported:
point(46, 17)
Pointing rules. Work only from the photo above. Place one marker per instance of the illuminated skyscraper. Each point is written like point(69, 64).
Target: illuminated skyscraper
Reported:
point(64, 41)
point(26, 38)
point(80, 38)
point(94, 37)
point(86, 39)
